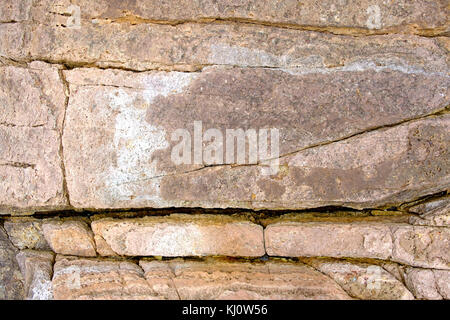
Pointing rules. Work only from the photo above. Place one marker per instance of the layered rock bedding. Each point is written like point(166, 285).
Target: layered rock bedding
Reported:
point(119, 177)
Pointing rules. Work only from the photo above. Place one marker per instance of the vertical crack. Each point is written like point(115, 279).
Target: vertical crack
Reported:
point(61, 147)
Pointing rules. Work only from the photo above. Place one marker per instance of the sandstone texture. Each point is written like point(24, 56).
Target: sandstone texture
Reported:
point(133, 168)
point(84, 279)
point(71, 237)
point(26, 233)
point(198, 280)
point(11, 280)
point(181, 235)
point(235, 149)
point(413, 245)
point(37, 271)
point(362, 280)
point(33, 101)
point(428, 284)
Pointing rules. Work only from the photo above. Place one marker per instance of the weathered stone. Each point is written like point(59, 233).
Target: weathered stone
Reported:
point(413, 245)
point(15, 10)
point(433, 213)
point(133, 168)
point(86, 279)
point(428, 284)
point(337, 16)
point(70, 237)
point(11, 280)
point(37, 270)
point(362, 280)
point(26, 233)
point(182, 235)
point(215, 279)
point(33, 102)
point(193, 46)
point(425, 247)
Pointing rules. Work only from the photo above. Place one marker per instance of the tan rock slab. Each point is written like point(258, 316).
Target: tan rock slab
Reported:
point(37, 271)
point(33, 102)
point(337, 16)
point(11, 280)
point(216, 279)
point(84, 279)
point(362, 280)
point(428, 284)
point(124, 168)
point(26, 233)
point(425, 247)
point(70, 237)
point(182, 235)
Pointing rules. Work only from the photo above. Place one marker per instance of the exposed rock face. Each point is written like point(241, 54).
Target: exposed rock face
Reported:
point(413, 245)
point(30, 127)
point(11, 280)
point(235, 149)
point(85, 279)
point(37, 271)
point(26, 233)
point(362, 280)
point(428, 284)
point(433, 213)
point(71, 237)
point(181, 235)
point(155, 105)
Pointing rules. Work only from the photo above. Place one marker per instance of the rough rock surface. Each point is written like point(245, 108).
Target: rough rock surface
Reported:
point(181, 235)
point(26, 233)
point(70, 237)
point(362, 280)
point(37, 271)
point(11, 280)
point(428, 284)
point(212, 279)
point(433, 213)
point(413, 245)
point(83, 279)
point(133, 168)
point(33, 101)
point(338, 16)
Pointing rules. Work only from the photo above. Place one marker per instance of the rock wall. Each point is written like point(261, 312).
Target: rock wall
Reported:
point(94, 95)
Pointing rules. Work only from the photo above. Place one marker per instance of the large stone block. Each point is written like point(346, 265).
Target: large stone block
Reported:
point(419, 246)
point(70, 237)
point(84, 279)
point(181, 235)
point(119, 127)
point(215, 279)
point(362, 280)
point(33, 102)
point(366, 16)
point(26, 233)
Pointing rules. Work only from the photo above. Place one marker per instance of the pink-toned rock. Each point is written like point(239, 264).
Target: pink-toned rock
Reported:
point(182, 235)
point(37, 271)
point(413, 245)
point(119, 127)
point(84, 279)
point(15, 10)
point(70, 237)
point(362, 280)
point(433, 213)
point(428, 284)
point(217, 279)
point(33, 103)
point(367, 16)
